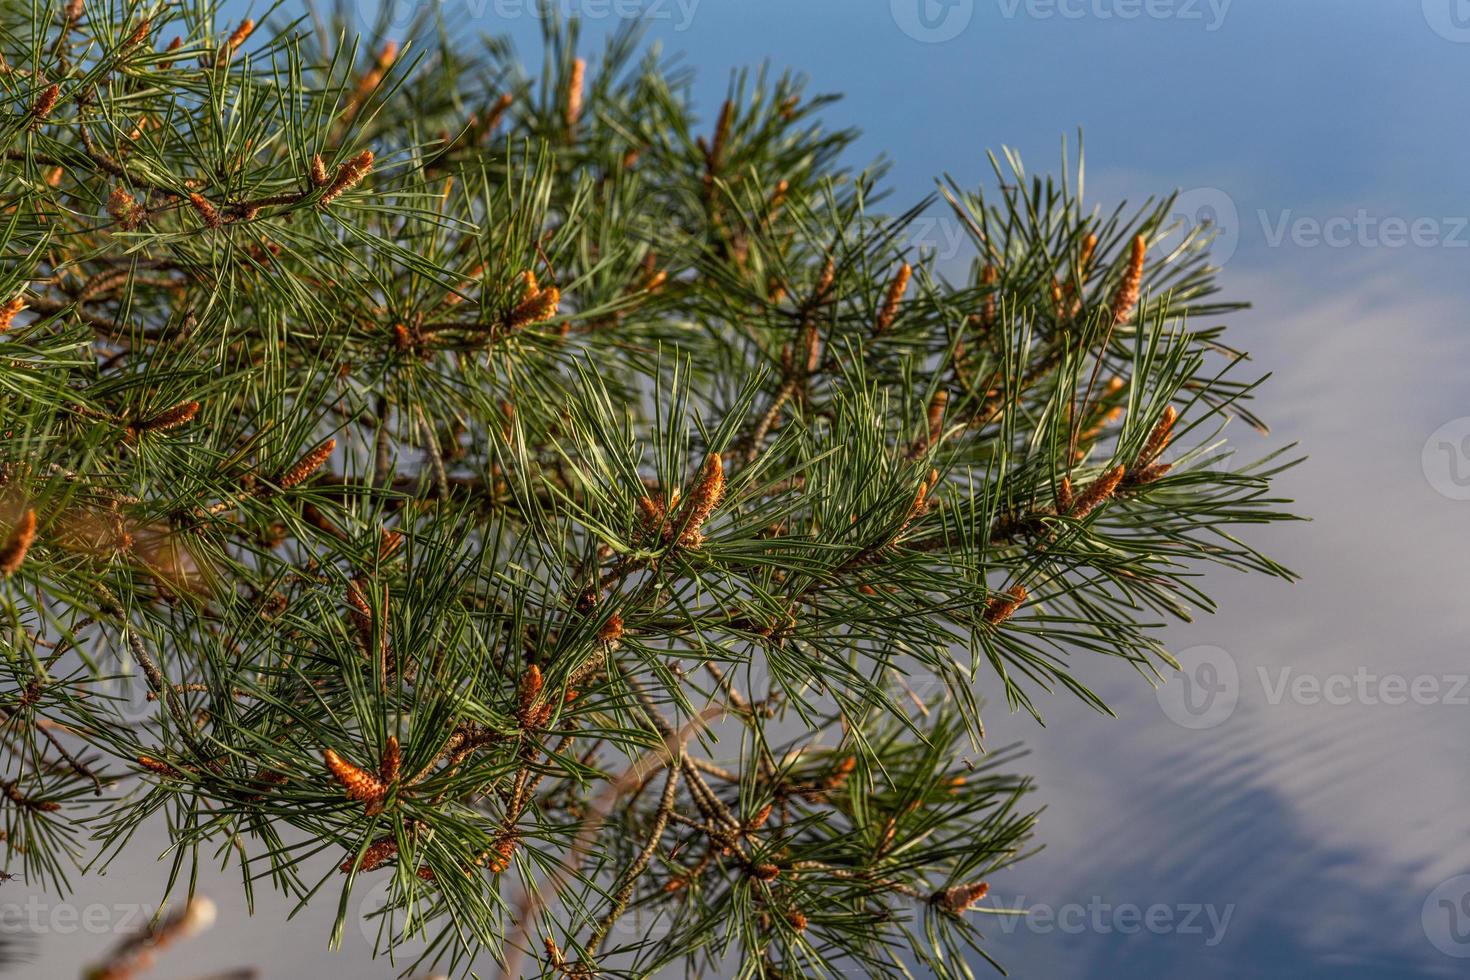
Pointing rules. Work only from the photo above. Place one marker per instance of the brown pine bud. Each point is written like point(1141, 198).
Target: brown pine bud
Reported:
point(537, 307)
point(840, 773)
point(170, 418)
point(575, 81)
point(359, 783)
point(703, 498)
point(1158, 439)
point(961, 898)
point(206, 210)
point(389, 544)
point(240, 34)
point(1101, 490)
point(1125, 297)
point(125, 210)
point(377, 852)
point(392, 761)
point(825, 280)
point(501, 853)
point(497, 112)
point(797, 920)
point(159, 766)
point(13, 552)
point(348, 176)
point(759, 820)
point(140, 33)
point(527, 693)
point(1000, 608)
point(319, 175)
point(988, 277)
point(765, 872)
point(307, 465)
point(10, 310)
point(43, 105)
point(1064, 495)
point(612, 630)
point(896, 288)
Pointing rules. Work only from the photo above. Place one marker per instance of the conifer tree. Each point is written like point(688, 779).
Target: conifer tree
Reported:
point(588, 514)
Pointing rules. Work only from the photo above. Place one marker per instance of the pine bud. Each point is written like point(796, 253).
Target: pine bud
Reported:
point(537, 307)
point(703, 498)
point(759, 820)
point(575, 81)
point(1158, 440)
point(13, 552)
point(319, 175)
point(961, 898)
point(1101, 490)
point(171, 418)
point(1064, 495)
point(377, 852)
point(359, 783)
point(497, 111)
point(158, 766)
point(896, 288)
point(206, 210)
point(797, 920)
point(392, 761)
point(10, 310)
point(1000, 608)
point(140, 33)
point(988, 277)
point(527, 693)
point(240, 34)
point(501, 853)
point(348, 176)
point(307, 465)
point(125, 210)
point(1125, 298)
point(45, 102)
point(765, 872)
point(612, 630)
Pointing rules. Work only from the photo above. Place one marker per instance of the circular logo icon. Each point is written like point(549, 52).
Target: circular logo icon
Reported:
point(1446, 917)
point(1446, 459)
point(1206, 216)
point(373, 920)
point(1204, 692)
point(932, 21)
point(1450, 19)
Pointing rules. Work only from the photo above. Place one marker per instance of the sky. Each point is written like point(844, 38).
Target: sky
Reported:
point(1294, 804)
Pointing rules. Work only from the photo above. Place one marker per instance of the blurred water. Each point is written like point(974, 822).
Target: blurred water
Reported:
point(1300, 834)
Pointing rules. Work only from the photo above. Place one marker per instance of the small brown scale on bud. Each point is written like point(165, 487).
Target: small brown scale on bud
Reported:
point(13, 551)
point(1125, 297)
point(896, 288)
point(1000, 608)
